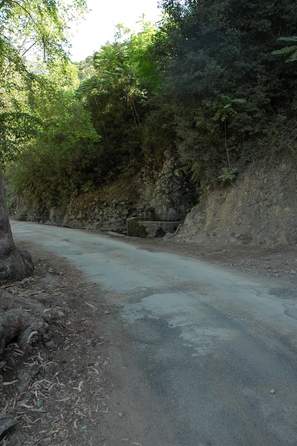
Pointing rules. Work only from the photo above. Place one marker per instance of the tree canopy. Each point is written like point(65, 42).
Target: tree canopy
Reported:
point(32, 41)
point(208, 83)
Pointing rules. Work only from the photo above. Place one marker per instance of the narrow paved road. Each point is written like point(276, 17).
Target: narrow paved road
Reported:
point(204, 356)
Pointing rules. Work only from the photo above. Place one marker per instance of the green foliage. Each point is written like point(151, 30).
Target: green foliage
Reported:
point(226, 109)
point(35, 23)
point(289, 51)
point(219, 50)
point(59, 158)
point(27, 25)
point(118, 96)
point(91, 133)
point(16, 130)
point(205, 84)
point(228, 176)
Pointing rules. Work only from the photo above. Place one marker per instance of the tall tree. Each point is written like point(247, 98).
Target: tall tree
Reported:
point(14, 263)
point(24, 25)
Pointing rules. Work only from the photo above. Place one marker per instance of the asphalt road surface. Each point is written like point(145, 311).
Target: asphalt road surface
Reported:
point(201, 355)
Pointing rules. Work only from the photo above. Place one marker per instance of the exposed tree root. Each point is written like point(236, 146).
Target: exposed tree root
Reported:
point(15, 265)
point(20, 327)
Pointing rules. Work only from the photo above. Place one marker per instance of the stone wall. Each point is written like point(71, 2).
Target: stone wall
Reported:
point(167, 195)
point(259, 209)
point(150, 228)
point(164, 194)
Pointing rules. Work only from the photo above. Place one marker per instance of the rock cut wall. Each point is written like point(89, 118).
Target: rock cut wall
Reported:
point(162, 195)
point(259, 209)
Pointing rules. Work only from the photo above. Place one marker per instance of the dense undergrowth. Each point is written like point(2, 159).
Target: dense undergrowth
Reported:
point(215, 81)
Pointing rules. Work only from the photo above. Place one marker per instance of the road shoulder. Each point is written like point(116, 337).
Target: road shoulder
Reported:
point(57, 390)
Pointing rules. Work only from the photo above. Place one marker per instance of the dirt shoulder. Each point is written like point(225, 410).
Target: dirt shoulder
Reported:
point(277, 263)
point(56, 391)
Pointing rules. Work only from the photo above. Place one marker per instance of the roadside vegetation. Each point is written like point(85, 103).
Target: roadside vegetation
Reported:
point(208, 82)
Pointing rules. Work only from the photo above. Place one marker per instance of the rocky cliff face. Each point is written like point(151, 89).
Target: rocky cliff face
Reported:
point(259, 209)
point(164, 195)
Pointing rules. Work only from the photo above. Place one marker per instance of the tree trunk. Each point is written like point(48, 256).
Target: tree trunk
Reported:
point(14, 264)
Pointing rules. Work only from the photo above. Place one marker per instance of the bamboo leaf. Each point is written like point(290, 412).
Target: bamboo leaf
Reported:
point(292, 39)
point(284, 51)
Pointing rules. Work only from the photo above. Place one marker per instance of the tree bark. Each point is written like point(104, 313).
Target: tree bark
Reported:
point(14, 264)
